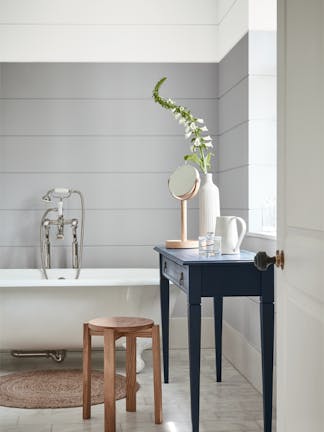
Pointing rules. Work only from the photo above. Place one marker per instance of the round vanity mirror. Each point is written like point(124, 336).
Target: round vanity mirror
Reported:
point(183, 184)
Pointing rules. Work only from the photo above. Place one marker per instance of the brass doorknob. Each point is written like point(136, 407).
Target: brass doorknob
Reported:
point(262, 261)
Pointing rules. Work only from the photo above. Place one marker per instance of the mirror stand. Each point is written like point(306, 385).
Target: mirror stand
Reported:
point(184, 243)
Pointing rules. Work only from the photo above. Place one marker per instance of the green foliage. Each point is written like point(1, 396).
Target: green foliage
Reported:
point(194, 129)
point(193, 158)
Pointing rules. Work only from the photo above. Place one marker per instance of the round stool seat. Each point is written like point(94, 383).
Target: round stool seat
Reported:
point(121, 324)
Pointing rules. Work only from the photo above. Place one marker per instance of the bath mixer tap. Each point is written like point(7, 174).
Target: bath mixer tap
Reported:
point(59, 223)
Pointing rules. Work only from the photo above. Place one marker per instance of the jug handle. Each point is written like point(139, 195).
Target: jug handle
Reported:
point(242, 224)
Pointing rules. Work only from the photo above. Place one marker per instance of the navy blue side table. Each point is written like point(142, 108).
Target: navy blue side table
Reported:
point(217, 277)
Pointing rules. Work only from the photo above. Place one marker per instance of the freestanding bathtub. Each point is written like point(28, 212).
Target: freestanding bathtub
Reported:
point(40, 314)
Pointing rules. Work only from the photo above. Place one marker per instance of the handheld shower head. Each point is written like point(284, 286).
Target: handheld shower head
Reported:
point(61, 193)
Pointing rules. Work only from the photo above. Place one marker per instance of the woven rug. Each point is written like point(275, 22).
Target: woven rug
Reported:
point(53, 389)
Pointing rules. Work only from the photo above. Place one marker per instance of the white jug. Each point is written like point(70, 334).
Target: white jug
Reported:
point(226, 227)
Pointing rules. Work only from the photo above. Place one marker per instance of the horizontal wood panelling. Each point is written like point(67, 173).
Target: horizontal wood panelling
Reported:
point(103, 227)
point(244, 314)
point(116, 145)
point(233, 27)
point(127, 30)
point(233, 106)
point(224, 7)
point(233, 147)
point(262, 185)
point(233, 126)
point(263, 46)
point(45, 154)
point(106, 191)
point(112, 81)
point(244, 141)
point(263, 97)
point(76, 12)
point(100, 43)
point(93, 257)
point(234, 66)
point(97, 117)
point(233, 188)
point(262, 142)
point(235, 212)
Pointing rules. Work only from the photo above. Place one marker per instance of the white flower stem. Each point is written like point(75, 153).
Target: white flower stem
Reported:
point(204, 168)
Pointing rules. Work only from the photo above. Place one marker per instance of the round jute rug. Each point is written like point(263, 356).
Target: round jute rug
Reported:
point(53, 389)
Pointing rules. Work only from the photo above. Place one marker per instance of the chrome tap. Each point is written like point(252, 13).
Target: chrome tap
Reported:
point(60, 222)
point(60, 228)
point(47, 244)
point(75, 245)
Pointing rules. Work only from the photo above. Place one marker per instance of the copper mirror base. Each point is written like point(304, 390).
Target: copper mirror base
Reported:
point(181, 244)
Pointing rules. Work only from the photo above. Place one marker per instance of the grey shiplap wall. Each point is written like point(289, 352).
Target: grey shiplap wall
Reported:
point(233, 140)
point(262, 123)
point(245, 147)
point(247, 127)
point(95, 127)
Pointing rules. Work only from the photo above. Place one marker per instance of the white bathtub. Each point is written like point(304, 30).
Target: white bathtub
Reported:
point(40, 314)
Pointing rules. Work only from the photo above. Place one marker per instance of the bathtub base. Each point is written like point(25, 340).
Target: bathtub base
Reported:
point(58, 356)
point(141, 345)
point(48, 315)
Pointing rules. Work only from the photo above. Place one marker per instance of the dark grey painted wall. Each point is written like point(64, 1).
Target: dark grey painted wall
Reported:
point(95, 127)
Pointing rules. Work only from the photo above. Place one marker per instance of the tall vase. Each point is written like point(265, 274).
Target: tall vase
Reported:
point(209, 207)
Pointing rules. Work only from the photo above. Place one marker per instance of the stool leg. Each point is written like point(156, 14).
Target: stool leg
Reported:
point(86, 372)
point(157, 374)
point(109, 380)
point(131, 373)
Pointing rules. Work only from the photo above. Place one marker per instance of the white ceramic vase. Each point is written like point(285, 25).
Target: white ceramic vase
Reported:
point(209, 207)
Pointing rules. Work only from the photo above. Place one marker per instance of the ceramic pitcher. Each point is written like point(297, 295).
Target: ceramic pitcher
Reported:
point(227, 228)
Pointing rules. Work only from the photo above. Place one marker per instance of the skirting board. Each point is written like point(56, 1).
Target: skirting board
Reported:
point(236, 349)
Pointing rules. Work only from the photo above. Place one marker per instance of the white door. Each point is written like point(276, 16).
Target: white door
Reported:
point(300, 286)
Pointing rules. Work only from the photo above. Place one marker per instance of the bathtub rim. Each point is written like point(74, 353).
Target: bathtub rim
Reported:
point(131, 277)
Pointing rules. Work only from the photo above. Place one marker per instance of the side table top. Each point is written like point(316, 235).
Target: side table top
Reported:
point(191, 256)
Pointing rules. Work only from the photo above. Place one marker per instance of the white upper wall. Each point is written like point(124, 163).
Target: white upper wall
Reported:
point(108, 30)
point(263, 15)
point(232, 24)
point(237, 17)
point(127, 30)
point(108, 12)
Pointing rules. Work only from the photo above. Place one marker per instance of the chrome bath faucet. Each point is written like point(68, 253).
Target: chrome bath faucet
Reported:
point(59, 222)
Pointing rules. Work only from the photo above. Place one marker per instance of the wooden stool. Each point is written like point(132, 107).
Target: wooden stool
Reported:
point(112, 329)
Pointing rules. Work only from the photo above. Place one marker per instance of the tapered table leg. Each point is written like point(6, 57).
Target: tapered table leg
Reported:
point(218, 323)
point(165, 301)
point(267, 338)
point(194, 338)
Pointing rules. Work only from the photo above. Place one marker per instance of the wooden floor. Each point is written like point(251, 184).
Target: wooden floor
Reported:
point(231, 406)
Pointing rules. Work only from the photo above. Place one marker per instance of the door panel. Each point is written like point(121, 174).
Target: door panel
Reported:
point(305, 396)
point(304, 252)
point(300, 286)
point(304, 113)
